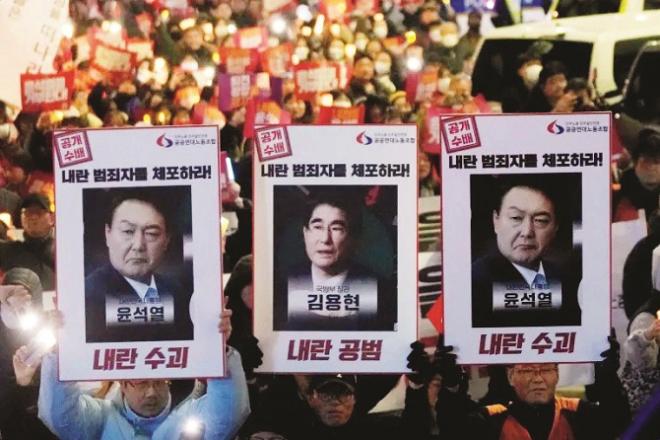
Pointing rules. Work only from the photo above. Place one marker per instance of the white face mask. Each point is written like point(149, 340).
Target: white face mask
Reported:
point(301, 52)
point(380, 32)
point(361, 44)
point(532, 74)
point(443, 85)
point(382, 68)
point(450, 40)
point(435, 35)
point(336, 53)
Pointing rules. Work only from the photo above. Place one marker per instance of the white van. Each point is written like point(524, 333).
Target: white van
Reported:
point(605, 44)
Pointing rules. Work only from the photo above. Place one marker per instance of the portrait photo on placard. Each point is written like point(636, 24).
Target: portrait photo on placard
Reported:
point(138, 281)
point(526, 249)
point(335, 257)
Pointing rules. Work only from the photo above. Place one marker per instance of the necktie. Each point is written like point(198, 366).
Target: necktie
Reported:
point(539, 282)
point(151, 295)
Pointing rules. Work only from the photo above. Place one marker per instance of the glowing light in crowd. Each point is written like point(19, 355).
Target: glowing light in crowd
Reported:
point(187, 23)
point(28, 320)
point(303, 13)
point(414, 64)
point(306, 31)
point(192, 427)
point(113, 27)
point(318, 26)
point(40, 344)
point(379, 17)
point(146, 118)
point(160, 117)
point(5, 218)
point(207, 28)
point(411, 37)
point(295, 60)
point(335, 29)
point(216, 57)
point(68, 29)
point(160, 64)
point(165, 15)
point(350, 50)
point(231, 28)
point(490, 4)
point(326, 100)
point(278, 25)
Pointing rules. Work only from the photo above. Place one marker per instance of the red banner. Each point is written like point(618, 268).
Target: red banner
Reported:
point(277, 60)
point(113, 63)
point(314, 77)
point(251, 38)
point(341, 115)
point(421, 86)
point(234, 90)
point(236, 60)
point(43, 92)
point(263, 112)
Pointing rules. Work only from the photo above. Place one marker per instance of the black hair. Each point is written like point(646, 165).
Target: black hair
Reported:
point(538, 183)
point(146, 195)
point(348, 204)
point(551, 68)
point(648, 144)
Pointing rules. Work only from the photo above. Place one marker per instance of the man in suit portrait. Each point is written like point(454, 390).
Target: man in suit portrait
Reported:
point(126, 299)
point(516, 284)
point(331, 291)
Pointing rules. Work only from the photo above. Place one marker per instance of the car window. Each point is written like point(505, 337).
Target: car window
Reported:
point(642, 100)
point(496, 65)
point(625, 52)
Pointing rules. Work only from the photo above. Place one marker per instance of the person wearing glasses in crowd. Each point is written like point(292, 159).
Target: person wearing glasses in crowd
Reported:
point(537, 412)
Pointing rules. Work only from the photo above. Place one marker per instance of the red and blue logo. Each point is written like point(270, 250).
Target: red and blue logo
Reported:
point(164, 142)
point(363, 139)
point(555, 128)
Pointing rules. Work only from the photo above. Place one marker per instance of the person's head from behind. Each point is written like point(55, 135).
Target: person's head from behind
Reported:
point(525, 221)
point(646, 158)
point(332, 226)
point(147, 398)
point(19, 165)
point(137, 234)
point(333, 399)
point(534, 384)
point(36, 217)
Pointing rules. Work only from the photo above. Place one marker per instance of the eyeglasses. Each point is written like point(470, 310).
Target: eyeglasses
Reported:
point(544, 372)
point(143, 385)
point(341, 398)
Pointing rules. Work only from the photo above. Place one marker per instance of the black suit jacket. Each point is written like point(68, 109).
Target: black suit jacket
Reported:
point(386, 315)
point(495, 268)
point(106, 282)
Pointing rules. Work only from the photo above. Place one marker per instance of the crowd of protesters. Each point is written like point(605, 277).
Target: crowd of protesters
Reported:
point(383, 49)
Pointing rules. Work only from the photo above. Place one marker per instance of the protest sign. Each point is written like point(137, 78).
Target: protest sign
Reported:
point(143, 279)
point(237, 60)
point(251, 38)
point(143, 48)
point(234, 90)
point(341, 115)
point(276, 5)
point(312, 77)
point(277, 60)
point(263, 112)
point(526, 237)
point(112, 63)
point(34, 28)
point(334, 272)
point(421, 86)
point(43, 92)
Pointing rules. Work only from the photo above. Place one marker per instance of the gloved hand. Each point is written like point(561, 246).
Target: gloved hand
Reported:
point(608, 367)
point(444, 363)
point(251, 354)
point(419, 362)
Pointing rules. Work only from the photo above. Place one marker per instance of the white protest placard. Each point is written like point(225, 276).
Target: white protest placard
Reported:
point(139, 276)
point(34, 28)
point(335, 261)
point(526, 237)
